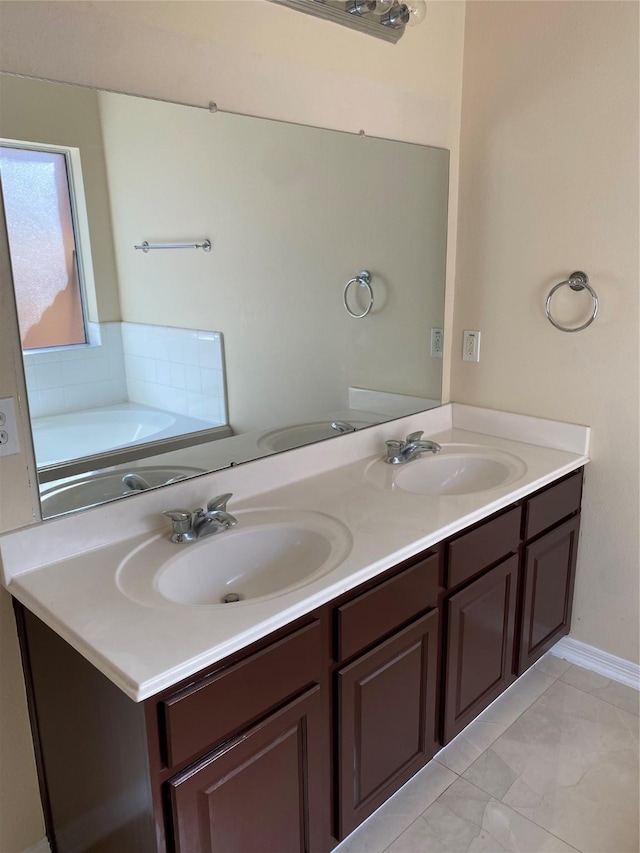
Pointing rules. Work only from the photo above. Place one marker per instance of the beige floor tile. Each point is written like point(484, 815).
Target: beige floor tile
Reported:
point(467, 820)
point(520, 696)
point(469, 745)
point(604, 688)
point(393, 818)
point(552, 665)
point(493, 721)
point(570, 765)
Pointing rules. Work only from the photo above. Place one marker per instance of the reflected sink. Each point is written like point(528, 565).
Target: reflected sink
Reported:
point(90, 489)
point(286, 438)
point(268, 553)
point(459, 469)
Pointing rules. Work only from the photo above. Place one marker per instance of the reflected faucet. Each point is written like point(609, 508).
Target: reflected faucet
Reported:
point(342, 426)
point(399, 452)
point(135, 482)
point(189, 526)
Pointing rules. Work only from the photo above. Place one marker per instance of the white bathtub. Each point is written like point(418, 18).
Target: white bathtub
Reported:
point(58, 438)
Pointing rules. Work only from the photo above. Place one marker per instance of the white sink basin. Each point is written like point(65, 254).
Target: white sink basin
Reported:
point(286, 438)
point(459, 469)
point(90, 489)
point(268, 553)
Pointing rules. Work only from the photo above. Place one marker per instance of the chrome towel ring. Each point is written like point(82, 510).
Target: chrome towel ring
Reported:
point(363, 279)
point(576, 281)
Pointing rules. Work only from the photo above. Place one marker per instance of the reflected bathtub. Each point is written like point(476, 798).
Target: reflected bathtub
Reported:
point(73, 435)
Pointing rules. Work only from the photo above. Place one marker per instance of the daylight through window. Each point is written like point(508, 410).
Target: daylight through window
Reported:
point(44, 258)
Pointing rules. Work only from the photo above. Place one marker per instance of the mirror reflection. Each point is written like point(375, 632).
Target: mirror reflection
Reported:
point(198, 289)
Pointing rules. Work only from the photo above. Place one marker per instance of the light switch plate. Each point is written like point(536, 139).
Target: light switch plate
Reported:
point(9, 443)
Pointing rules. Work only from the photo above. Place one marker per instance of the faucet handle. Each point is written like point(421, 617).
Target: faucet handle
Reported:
point(179, 517)
point(182, 521)
point(219, 503)
point(415, 436)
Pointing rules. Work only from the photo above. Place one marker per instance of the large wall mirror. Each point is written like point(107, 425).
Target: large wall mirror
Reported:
point(182, 282)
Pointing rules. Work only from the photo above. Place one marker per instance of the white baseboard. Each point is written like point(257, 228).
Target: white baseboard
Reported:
point(40, 847)
point(615, 668)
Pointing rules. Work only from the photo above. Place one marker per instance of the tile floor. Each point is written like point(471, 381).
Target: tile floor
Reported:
point(550, 767)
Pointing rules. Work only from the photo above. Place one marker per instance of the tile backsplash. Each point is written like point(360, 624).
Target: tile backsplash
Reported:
point(176, 370)
point(67, 379)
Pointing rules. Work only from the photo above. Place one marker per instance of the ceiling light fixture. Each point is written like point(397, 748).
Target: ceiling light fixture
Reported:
point(384, 19)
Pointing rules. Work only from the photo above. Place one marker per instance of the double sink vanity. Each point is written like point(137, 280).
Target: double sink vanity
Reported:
point(268, 687)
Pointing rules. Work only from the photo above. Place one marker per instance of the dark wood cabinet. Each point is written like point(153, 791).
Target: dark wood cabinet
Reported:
point(287, 745)
point(480, 637)
point(261, 792)
point(386, 718)
point(549, 567)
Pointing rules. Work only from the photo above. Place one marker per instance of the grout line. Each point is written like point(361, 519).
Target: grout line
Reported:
point(415, 820)
point(594, 695)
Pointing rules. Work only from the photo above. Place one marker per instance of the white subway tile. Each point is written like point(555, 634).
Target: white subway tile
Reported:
point(190, 347)
point(31, 377)
point(51, 401)
point(192, 378)
point(48, 375)
point(41, 356)
point(203, 406)
point(177, 372)
point(163, 372)
point(207, 352)
point(118, 389)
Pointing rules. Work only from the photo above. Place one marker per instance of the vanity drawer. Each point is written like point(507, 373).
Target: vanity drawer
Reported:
point(386, 607)
point(486, 544)
point(553, 504)
point(208, 712)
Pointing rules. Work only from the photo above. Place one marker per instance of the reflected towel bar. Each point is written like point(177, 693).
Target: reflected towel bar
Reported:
point(147, 247)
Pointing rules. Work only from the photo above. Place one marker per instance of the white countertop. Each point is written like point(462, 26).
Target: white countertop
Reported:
point(64, 570)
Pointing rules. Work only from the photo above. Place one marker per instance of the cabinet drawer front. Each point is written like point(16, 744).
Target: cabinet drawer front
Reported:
point(386, 607)
point(552, 505)
point(206, 713)
point(488, 543)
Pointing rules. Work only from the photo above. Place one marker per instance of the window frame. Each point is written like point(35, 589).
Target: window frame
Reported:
point(81, 234)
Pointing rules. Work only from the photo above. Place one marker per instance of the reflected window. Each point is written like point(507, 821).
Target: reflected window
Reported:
point(38, 202)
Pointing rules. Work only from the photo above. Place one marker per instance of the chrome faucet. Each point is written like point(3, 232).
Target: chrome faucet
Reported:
point(399, 452)
point(135, 482)
point(188, 526)
point(342, 426)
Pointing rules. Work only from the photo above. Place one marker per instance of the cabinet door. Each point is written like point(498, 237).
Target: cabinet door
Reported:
point(480, 634)
point(549, 572)
point(262, 792)
point(387, 701)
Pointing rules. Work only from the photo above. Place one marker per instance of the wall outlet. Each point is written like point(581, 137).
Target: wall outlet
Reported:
point(436, 343)
point(9, 443)
point(470, 346)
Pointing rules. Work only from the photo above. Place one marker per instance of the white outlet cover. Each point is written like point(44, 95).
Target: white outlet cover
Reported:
point(437, 343)
point(12, 445)
point(470, 345)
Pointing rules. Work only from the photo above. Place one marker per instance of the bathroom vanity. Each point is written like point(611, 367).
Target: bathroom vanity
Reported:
point(308, 708)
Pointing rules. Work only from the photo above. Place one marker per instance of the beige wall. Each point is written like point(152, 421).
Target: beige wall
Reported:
point(293, 212)
point(251, 57)
point(549, 177)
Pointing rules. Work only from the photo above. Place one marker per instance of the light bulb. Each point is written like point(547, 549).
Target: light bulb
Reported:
point(417, 12)
point(361, 7)
point(383, 6)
